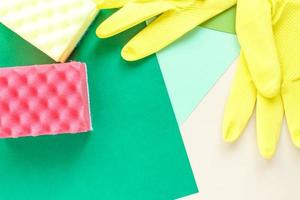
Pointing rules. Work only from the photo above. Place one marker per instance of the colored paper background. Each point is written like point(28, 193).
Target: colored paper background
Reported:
point(192, 65)
point(225, 22)
point(236, 171)
point(135, 150)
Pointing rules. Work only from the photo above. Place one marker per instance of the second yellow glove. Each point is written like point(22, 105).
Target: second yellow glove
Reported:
point(269, 111)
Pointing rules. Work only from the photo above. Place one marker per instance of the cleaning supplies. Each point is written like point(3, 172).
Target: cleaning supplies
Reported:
point(53, 26)
point(254, 21)
point(245, 94)
point(44, 99)
point(175, 18)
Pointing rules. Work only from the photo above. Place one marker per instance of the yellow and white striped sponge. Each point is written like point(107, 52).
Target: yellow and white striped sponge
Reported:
point(53, 26)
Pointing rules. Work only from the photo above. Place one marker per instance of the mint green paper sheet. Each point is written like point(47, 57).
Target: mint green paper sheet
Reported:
point(135, 150)
point(192, 65)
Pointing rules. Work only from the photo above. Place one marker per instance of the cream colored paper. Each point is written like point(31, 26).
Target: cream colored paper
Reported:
point(236, 171)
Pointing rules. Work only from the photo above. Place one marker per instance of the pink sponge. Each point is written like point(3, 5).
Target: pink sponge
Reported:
point(42, 100)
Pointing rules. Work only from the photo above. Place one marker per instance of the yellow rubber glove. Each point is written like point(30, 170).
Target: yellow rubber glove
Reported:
point(254, 26)
point(269, 111)
point(175, 18)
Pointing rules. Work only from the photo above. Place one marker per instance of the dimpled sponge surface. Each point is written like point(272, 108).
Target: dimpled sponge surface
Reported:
point(43, 100)
point(53, 26)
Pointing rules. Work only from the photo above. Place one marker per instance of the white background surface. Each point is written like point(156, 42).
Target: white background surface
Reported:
point(236, 171)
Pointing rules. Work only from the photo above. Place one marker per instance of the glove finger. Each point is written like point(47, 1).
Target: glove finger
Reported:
point(169, 27)
point(255, 34)
point(130, 15)
point(291, 99)
point(108, 4)
point(240, 104)
point(269, 114)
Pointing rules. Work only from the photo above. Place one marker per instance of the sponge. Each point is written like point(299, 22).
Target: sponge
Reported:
point(53, 26)
point(43, 100)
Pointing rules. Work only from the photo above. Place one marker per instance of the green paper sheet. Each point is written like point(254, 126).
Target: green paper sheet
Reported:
point(192, 65)
point(135, 150)
point(225, 22)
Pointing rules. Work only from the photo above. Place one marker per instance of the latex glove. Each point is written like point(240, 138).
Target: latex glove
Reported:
point(176, 17)
point(254, 27)
point(269, 111)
